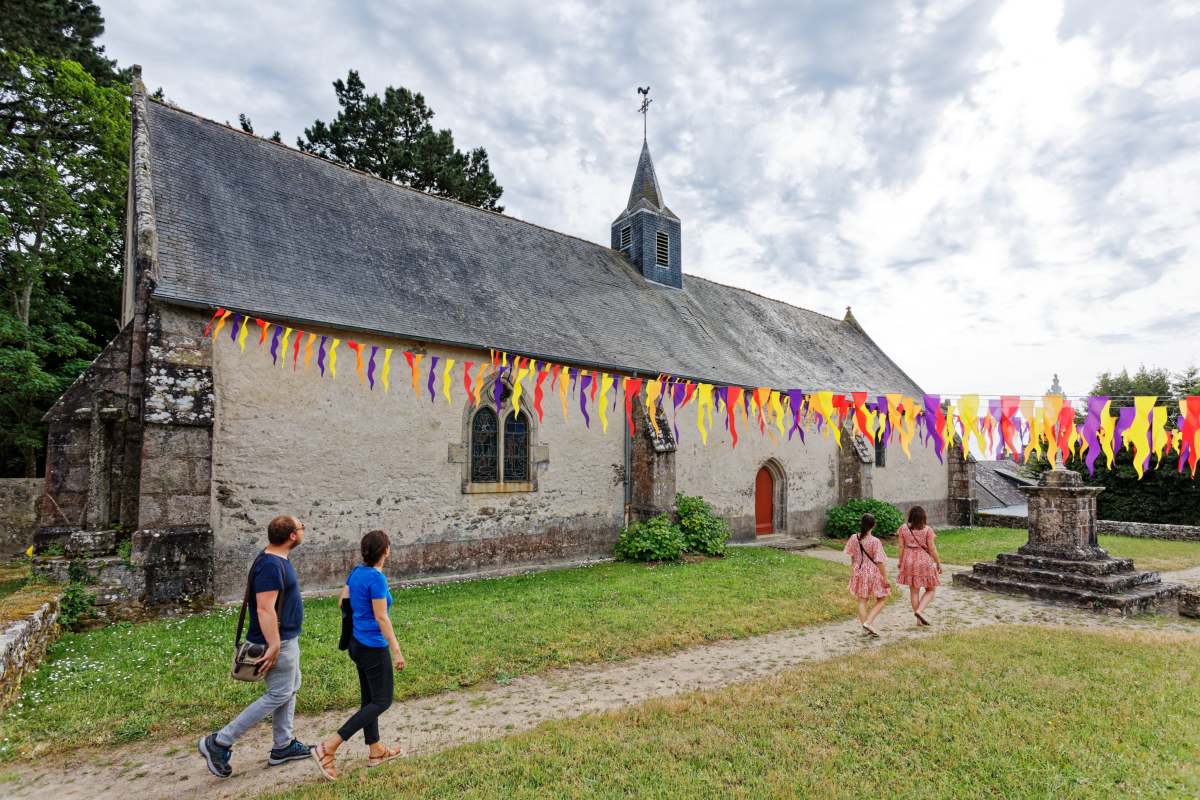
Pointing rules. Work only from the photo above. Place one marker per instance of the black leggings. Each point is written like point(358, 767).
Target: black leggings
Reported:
point(375, 679)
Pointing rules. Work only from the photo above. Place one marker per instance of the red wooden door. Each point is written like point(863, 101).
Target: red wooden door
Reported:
point(764, 507)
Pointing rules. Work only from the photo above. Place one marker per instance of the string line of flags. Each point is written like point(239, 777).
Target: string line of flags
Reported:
point(1020, 426)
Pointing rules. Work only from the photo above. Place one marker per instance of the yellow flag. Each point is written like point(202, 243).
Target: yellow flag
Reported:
point(283, 361)
point(243, 332)
point(908, 428)
point(1051, 405)
point(1162, 438)
point(333, 358)
point(653, 389)
point(969, 414)
point(522, 371)
point(1139, 431)
point(446, 381)
point(1108, 426)
point(387, 367)
point(703, 401)
point(602, 401)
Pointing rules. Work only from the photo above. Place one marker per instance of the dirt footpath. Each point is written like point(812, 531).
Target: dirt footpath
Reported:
point(151, 770)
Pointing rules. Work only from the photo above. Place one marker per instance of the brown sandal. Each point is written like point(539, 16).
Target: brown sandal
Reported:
point(870, 630)
point(921, 616)
point(388, 754)
point(324, 762)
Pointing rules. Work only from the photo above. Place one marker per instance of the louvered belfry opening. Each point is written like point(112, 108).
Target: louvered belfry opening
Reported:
point(662, 250)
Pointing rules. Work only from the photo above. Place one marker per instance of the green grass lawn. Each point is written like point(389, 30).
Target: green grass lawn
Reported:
point(998, 713)
point(965, 546)
point(127, 682)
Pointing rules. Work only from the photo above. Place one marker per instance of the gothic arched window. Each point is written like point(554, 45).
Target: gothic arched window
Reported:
point(484, 434)
point(516, 447)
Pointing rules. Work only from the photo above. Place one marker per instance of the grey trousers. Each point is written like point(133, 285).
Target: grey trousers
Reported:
point(282, 682)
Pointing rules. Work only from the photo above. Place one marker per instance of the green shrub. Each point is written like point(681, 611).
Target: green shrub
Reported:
point(54, 549)
point(75, 600)
point(125, 551)
point(654, 540)
point(703, 531)
point(844, 520)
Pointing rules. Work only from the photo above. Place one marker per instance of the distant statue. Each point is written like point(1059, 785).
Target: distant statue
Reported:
point(1054, 387)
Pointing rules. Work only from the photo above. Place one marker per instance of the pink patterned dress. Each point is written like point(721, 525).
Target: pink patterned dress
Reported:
point(917, 570)
point(866, 580)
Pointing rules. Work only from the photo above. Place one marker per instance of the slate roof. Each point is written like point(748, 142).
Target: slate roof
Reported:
point(645, 193)
point(258, 227)
point(996, 484)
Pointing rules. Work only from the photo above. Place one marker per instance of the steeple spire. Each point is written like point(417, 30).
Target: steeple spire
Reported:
point(645, 183)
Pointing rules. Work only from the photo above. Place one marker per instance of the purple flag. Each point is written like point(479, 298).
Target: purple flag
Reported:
point(275, 343)
point(1091, 431)
point(583, 400)
point(321, 356)
point(796, 403)
point(233, 332)
point(371, 368)
point(429, 385)
point(933, 404)
point(498, 387)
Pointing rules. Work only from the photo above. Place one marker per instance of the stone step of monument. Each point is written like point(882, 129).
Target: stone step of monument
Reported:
point(1135, 601)
point(1100, 566)
point(1108, 584)
point(107, 571)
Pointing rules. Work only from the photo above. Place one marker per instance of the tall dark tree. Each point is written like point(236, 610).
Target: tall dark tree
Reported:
point(60, 30)
point(392, 137)
point(63, 145)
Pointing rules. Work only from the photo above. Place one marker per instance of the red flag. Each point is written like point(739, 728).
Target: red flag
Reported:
point(537, 393)
point(467, 382)
point(633, 387)
point(735, 397)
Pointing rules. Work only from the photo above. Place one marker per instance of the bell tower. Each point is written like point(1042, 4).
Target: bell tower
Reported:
point(647, 231)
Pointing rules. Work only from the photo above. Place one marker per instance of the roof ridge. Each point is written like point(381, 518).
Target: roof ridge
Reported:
point(303, 154)
point(763, 296)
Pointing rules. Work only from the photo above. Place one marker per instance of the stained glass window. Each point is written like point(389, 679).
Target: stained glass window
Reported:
point(516, 447)
point(484, 464)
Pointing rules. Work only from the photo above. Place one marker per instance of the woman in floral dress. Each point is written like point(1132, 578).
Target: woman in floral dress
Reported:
point(868, 581)
point(920, 563)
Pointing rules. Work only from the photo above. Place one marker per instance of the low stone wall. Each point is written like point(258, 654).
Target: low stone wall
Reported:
point(983, 519)
point(25, 639)
point(20, 507)
point(1104, 527)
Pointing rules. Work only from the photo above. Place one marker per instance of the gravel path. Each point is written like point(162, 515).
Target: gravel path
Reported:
point(152, 770)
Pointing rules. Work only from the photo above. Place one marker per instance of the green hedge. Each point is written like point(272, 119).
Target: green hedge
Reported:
point(1163, 496)
point(844, 520)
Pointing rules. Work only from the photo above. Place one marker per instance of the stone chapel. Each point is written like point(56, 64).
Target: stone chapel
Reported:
point(191, 445)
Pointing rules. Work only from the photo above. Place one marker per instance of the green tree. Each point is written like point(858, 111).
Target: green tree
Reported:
point(1187, 382)
point(393, 138)
point(63, 145)
point(60, 30)
point(1123, 387)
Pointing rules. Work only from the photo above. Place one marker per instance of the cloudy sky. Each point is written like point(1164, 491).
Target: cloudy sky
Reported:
point(1002, 189)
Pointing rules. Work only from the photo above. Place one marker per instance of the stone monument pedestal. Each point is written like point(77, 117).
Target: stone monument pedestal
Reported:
point(1062, 560)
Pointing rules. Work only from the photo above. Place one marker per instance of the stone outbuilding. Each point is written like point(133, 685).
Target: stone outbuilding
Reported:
point(194, 445)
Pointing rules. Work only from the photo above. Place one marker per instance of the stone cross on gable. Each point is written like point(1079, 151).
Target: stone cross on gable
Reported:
point(98, 513)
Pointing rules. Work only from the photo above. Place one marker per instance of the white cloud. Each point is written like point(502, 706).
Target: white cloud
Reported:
point(1003, 189)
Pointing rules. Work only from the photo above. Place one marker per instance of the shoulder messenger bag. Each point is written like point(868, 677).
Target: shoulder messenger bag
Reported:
point(246, 653)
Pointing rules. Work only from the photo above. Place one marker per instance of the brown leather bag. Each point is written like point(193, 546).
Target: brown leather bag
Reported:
point(246, 653)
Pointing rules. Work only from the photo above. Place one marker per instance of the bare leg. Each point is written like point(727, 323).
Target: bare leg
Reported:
point(862, 609)
point(880, 602)
point(914, 595)
point(926, 598)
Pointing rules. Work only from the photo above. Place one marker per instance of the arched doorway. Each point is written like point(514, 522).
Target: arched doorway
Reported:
point(764, 503)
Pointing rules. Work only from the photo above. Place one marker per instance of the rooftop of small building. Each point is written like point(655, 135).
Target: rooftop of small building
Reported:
point(254, 226)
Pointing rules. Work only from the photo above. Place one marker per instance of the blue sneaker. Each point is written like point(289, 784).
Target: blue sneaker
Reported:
point(215, 756)
point(293, 752)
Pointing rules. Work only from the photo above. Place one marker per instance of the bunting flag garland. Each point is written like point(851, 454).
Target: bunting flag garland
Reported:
point(1009, 426)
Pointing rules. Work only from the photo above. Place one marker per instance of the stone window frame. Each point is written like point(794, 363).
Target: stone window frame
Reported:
point(880, 451)
point(460, 452)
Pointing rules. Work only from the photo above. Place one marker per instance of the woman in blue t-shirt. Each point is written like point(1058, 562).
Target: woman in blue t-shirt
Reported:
point(374, 650)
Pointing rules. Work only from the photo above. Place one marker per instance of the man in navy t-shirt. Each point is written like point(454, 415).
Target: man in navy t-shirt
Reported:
point(270, 574)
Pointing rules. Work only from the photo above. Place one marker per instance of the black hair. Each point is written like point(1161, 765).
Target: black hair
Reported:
point(865, 526)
